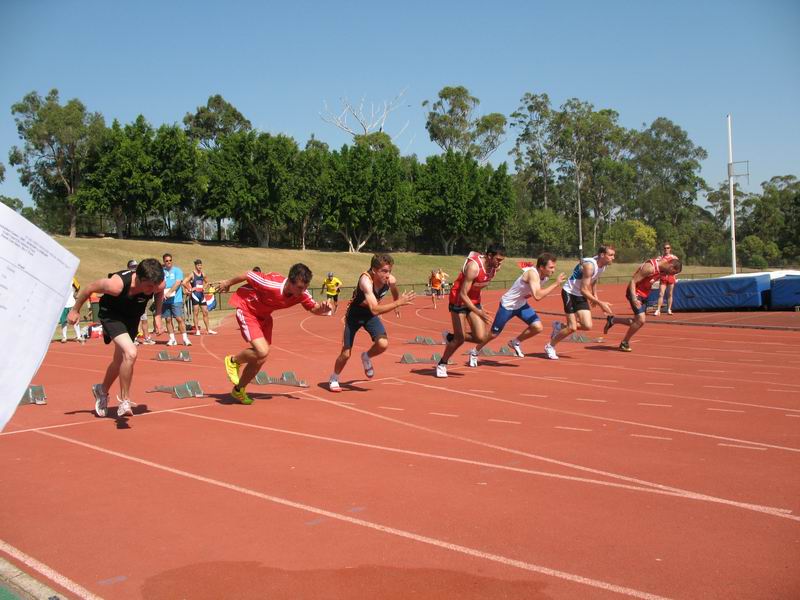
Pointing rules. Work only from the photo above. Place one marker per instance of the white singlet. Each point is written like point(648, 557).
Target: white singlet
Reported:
point(573, 284)
point(519, 292)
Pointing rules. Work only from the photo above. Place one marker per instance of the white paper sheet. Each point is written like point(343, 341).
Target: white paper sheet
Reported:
point(35, 276)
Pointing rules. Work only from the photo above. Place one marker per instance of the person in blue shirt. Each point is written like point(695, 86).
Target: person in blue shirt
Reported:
point(173, 301)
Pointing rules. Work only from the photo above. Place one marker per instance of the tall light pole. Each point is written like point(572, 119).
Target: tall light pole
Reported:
point(730, 195)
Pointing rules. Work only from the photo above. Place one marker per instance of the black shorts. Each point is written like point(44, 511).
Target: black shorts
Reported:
point(335, 297)
point(573, 303)
point(114, 327)
point(460, 309)
point(642, 308)
point(371, 323)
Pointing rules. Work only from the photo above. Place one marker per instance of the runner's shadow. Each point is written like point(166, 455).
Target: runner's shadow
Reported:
point(488, 362)
point(431, 372)
point(345, 385)
point(603, 348)
point(543, 356)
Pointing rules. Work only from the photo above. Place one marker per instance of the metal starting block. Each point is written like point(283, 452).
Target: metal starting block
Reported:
point(410, 359)
point(34, 395)
point(182, 356)
point(504, 351)
point(286, 378)
point(421, 339)
point(190, 389)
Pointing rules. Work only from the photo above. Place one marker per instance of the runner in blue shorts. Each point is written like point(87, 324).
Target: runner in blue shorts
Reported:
point(514, 303)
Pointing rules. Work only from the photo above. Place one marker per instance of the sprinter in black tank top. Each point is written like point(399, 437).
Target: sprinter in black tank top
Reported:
point(364, 311)
point(125, 296)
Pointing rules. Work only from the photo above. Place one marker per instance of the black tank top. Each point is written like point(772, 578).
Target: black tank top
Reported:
point(356, 307)
point(123, 307)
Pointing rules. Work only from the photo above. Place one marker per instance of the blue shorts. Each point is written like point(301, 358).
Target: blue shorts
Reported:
point(172, 309)
point(372, 324)
point(641, 309)
point(503, 316)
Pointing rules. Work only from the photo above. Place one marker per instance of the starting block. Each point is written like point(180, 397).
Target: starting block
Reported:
point(504, 351)
point(190, 389)
point(286, 378)
point(583, 339)
point(410, 359)
point(421, 339)
point(182, 356)
point(34, 395)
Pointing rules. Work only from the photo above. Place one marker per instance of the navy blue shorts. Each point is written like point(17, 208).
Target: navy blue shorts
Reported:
point(504, 315)
point(642, 308)
point(372, 324)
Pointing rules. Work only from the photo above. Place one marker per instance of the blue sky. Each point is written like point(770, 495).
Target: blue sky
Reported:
point(278, 62)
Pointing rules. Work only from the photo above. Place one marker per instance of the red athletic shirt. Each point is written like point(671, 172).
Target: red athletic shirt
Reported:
point(263, 294)
point(643, 287)
point(480, 282)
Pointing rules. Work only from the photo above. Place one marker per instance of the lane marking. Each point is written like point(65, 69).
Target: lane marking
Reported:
point(534, 395)
point(795, 416)
point(659, 368)
point(390, 408)
point(571, 428)
point(658, 383)
point(504, 421)
point(483, 391)
point(650, 437)
point(431, 541)
point(784, 391)
point(48, 572)
point(654, 404)
point(725, 410)
point(720, 387)
point(590, 400)
point(606, 380)
point(740, 446)
point(710, 371)
point(443, 414)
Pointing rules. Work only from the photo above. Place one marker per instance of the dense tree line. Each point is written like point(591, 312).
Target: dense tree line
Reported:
point(215, 177)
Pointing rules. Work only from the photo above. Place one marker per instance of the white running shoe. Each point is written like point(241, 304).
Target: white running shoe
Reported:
point(473, 358)
point(124, 409)
point(669, 311)
point(516, 348)
point(556, 328)
point(656, 313)
point(149, 341)
point(186, 342)
point(333, 385)
point(172, 342)
point(100, 399)
point(367, 363)
point(197, 331)
point(212, 332)
point(551, 352)
point(441, 370)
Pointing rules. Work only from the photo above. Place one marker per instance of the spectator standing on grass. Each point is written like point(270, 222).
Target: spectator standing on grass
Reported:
point(465, 304)
point(69, 302)
point(196, 281)
point(666, 284)
point(331, 286)
point(255, 302)
point(125, 296)
point(579, 294)
point(364, 311)
point(637, 292)
point(173, 301)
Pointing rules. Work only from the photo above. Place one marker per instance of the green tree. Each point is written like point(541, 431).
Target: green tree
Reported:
point(452, 125)
point(14, 204)
point(535, 148)
point(57, 141)
point(2, 172)
point(176, 165)
point(633, 239)
point(312, 187)
point(774, 216)
point(216, 119)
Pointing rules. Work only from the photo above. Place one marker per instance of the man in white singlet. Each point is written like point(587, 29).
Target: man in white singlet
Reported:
point(579, 294)
point(514, 303)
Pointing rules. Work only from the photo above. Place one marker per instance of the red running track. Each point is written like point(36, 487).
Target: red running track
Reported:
point(668, 472)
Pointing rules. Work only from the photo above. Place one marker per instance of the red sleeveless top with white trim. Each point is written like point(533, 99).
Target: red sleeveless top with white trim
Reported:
point(481, 281)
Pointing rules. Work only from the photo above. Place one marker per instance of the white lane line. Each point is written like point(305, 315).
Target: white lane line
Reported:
point(554, 377)
point(390, 383)
point(720, 387)
point(534, 395)
point(343, 403)
point(795, 416)
point(466, 550)
point(742, 447)
point(483, 391)
point(651, 437)
point(443, 414)
point(390, 408)
point(725, 410)
point(572, 428)
point(504, 421)
point(784, 391)
point(654, 404)
point(710, 371)
point(606, 380)
point(657, 383)
point(49, 573)
point(590, 400)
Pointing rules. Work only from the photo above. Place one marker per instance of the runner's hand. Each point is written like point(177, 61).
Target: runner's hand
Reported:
point(605, 307)
point(486, 316)
point(562, 277)
point(72, 317)
point(406, 297)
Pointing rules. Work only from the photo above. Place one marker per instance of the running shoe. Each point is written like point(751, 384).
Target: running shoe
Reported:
point(212, 332)
point(516, 348)
point(656, 313)
point(135, 342)
point(172, 342)
point(333, 385)
point(232, 369)
point(124, 409)
point(367, 364)
point(556, 328)
point(100, 399)
point(241, 395)
point(197, 331)
point(669, 311)
point(63, 340)
point(186, 342)
point(149, 341)
point(441, 370)
point(551, 352)
point(473, 358)
point(625, 347)
point(609, 325)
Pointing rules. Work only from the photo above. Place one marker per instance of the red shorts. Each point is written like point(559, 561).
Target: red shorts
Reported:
point(667, 279)
point(252, 328)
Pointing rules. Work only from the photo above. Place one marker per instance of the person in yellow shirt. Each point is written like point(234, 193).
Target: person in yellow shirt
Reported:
point(331, 287)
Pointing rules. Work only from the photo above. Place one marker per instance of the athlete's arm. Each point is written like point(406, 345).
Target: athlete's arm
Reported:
point(643, 272)
point(365, 283)
point(588, 289)
point(531, 277)
point(470, 273)
point(225, 284)
point(108, 285)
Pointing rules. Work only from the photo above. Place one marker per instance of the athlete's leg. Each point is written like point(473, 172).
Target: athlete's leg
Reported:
point(122, 365)
point(671, 291)
point(252, 358)
point(662, 288)
point(570, 328)
point(204, 310)
point(533, 329)
point(459, 324)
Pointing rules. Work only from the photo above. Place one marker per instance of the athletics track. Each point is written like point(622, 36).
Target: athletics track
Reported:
point(668, 472)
